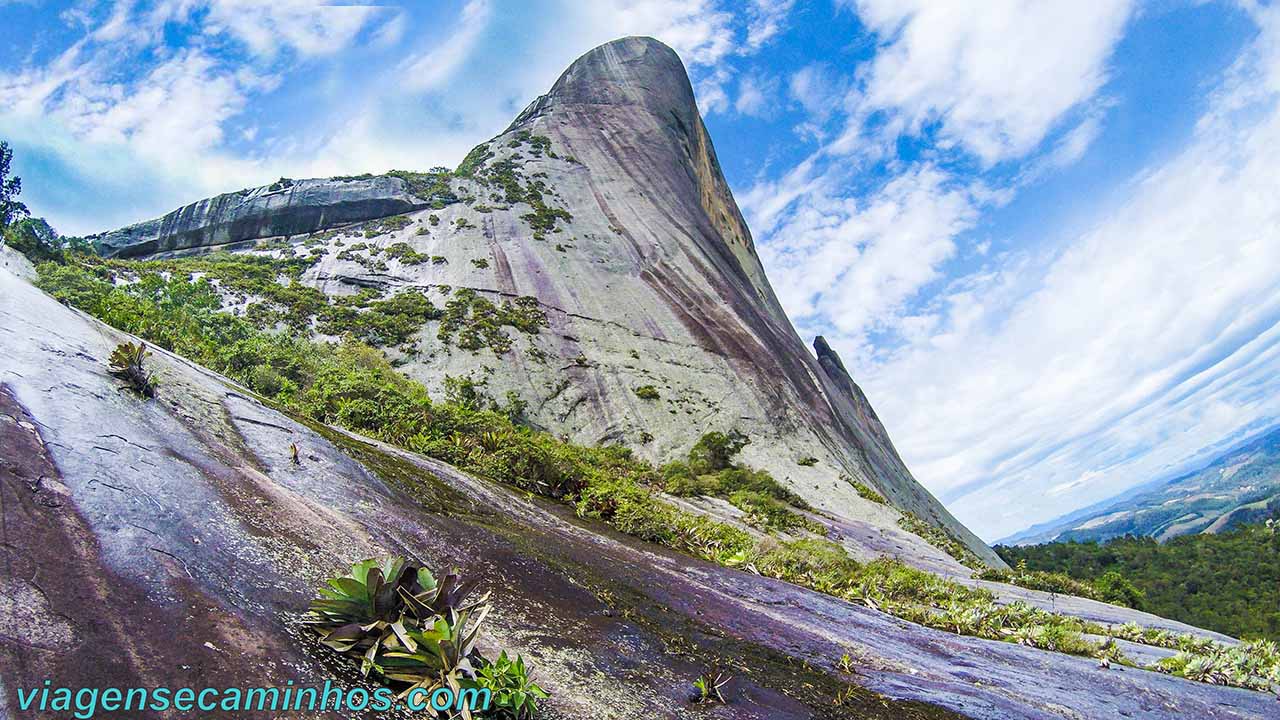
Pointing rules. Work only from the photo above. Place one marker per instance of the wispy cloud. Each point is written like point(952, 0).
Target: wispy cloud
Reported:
point(303, 26)
point(1072, 369)
point(997, 79)
point(766, 20)
point(1152, 336)
point(757, 95)
point(432, 68)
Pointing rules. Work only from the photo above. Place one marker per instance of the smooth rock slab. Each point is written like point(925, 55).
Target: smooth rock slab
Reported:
point(175, 543)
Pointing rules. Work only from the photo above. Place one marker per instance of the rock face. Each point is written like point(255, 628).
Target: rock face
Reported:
point(173, 542)
point(604, 202)
point(288, 207)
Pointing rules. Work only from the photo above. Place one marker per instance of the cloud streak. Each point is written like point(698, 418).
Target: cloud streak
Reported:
point(1063, 372)
point(997, 79)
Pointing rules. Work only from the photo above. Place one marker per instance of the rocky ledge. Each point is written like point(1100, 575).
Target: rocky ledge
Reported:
point(286, 207)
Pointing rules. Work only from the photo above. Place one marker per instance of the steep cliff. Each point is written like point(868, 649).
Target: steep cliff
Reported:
point(605, 204)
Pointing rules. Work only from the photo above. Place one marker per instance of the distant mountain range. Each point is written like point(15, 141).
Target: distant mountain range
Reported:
point(1242, 485)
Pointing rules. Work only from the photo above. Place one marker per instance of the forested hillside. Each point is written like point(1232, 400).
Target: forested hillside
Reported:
point(1229, 582)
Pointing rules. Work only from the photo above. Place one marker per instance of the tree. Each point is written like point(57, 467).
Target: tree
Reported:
point(10, 188)
point(715, 451)
point(36, 239)
point(1115, 588)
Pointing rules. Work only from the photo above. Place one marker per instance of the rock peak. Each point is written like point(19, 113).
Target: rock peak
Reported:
point(824, 351)
point(635, 71)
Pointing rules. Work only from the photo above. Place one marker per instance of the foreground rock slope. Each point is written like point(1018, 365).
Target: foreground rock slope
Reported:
point(604, 203)
point(173, 542)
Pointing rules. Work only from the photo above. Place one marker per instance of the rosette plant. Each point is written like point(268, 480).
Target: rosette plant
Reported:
point(413, 631)
point(358, 611)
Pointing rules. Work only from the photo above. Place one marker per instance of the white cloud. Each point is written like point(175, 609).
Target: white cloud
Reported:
point(432, 68)
point(1045, 380)
point(125, 111)
point(1123, 355)
point(996, 74)
point(304, 26)
point(392, 31)
point(1073, 144)
point(853, 263)
point(757, 96)
point(767, 18)
point(711, 93)
point(997, 80)
point(817, 90)
point(206, 117)
point(697, 29)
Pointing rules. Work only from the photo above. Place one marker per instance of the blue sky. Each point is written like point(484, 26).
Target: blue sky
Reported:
point(1044, 234)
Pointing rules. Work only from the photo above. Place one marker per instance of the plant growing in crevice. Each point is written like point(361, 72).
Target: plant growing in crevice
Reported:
point(864, 491)
point(433, 186)
point(127, 364)
point(769, 513)
point(710, 470)
point(708, 687)
point(647, 392)
point(405, 254)
point(511, 687)
point(477, 322)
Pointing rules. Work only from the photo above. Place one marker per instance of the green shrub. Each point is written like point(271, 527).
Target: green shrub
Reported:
point(405, 254)
point(1228, 581)
point(39, 242)
point(1036, 580)
point(512, 691)
point(432, 187)
point(710, 471)
point(1113, 587)
point(715, 450)
point(865, 492)
point(477, 322)
point(647, 392)
point(769, 513)
point(941, 539)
